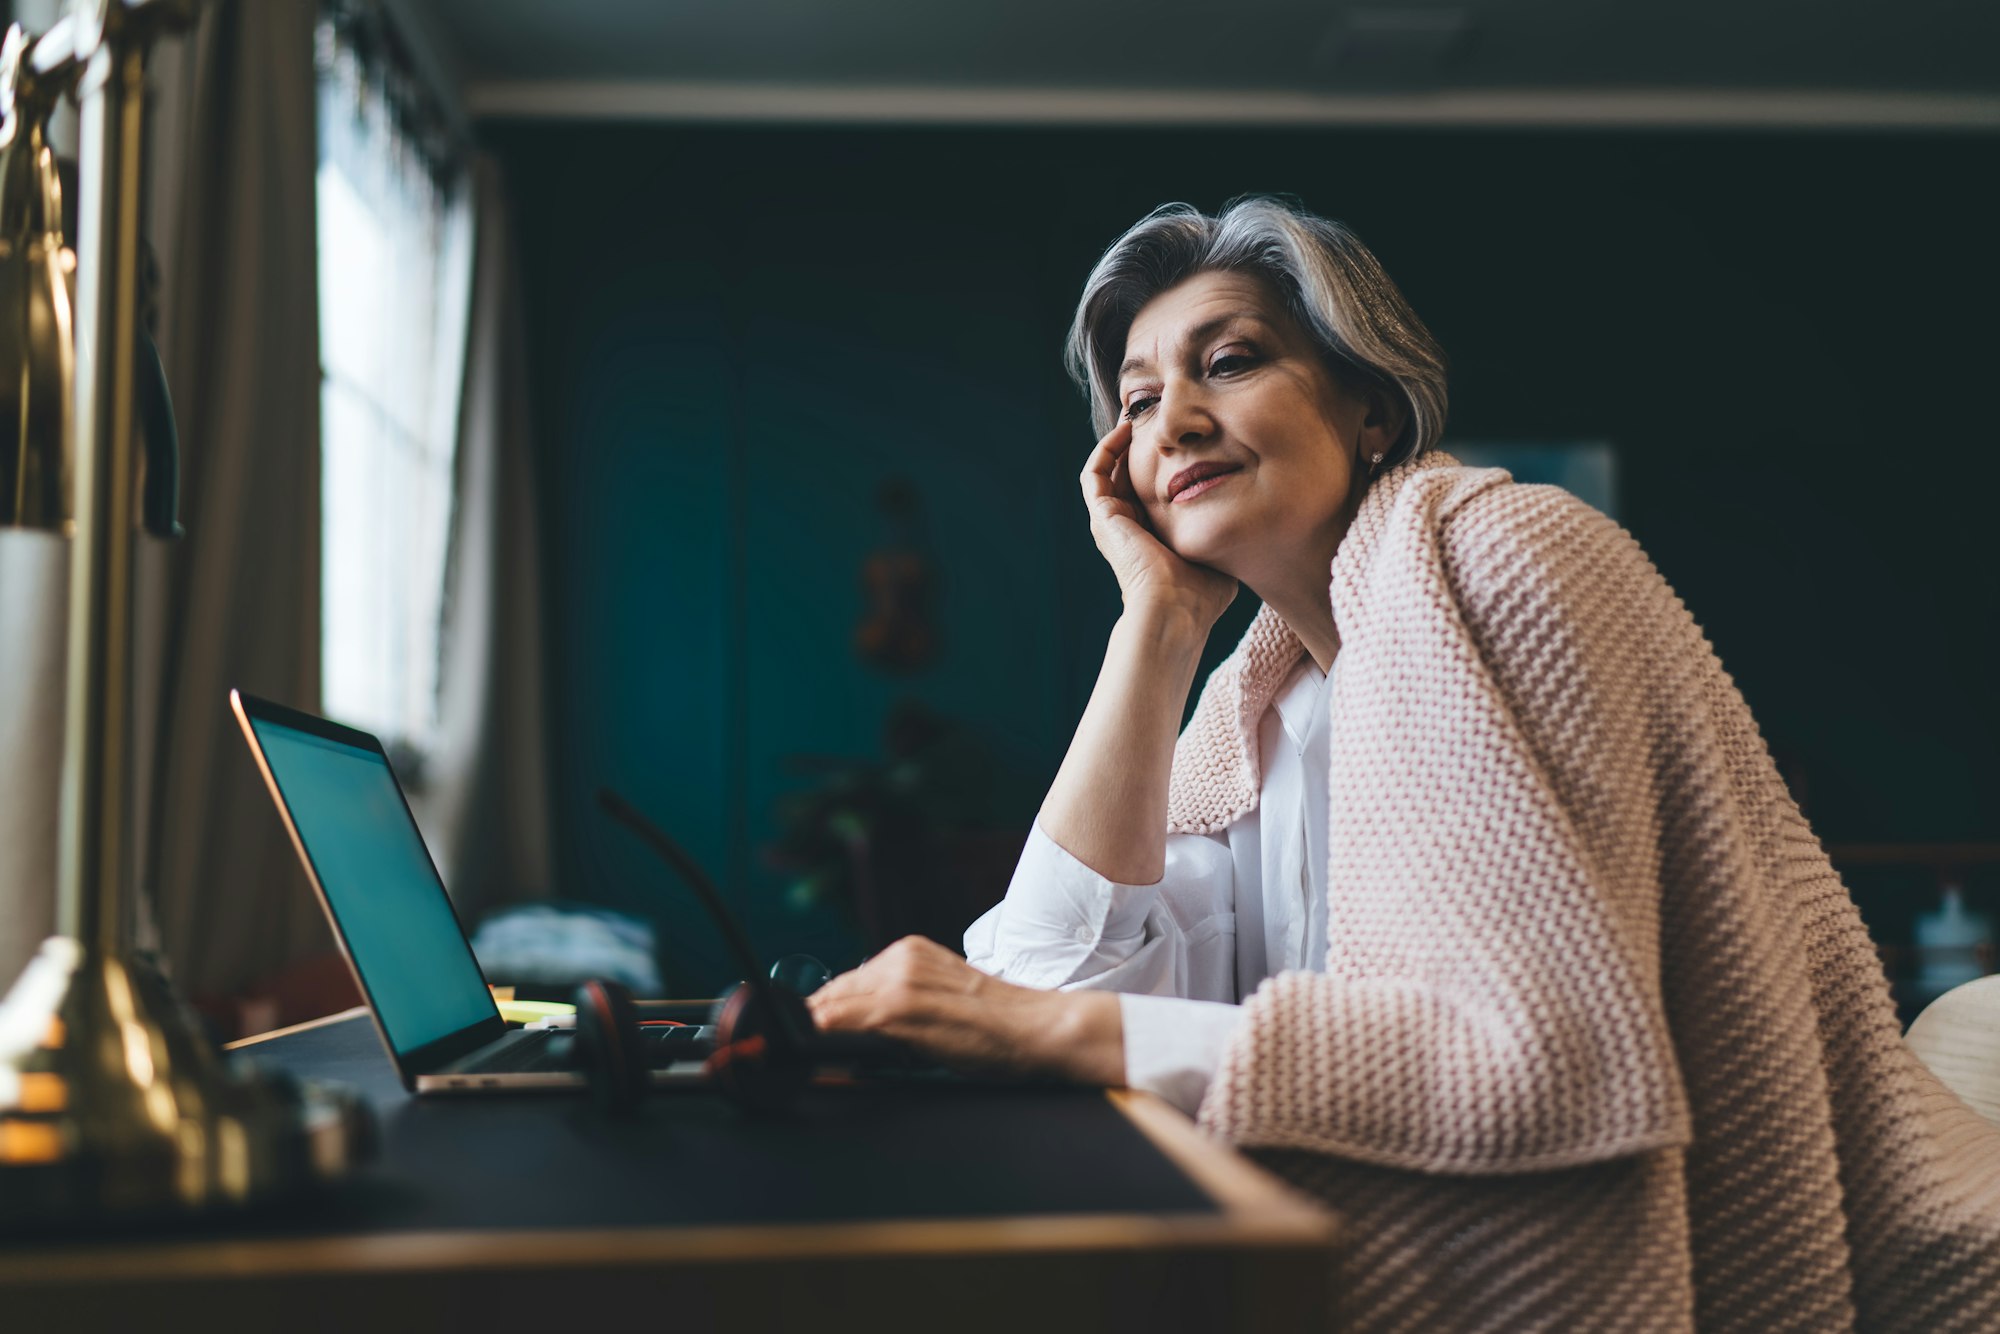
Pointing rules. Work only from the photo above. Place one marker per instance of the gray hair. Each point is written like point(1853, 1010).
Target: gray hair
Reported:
point(1332, 287)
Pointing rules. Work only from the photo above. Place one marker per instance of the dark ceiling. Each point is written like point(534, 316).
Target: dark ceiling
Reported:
point(1933, 48)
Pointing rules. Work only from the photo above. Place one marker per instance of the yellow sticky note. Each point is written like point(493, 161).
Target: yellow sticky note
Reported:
point(527, 1011)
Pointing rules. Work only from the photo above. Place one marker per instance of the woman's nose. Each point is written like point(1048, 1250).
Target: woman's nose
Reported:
point(1183, 416)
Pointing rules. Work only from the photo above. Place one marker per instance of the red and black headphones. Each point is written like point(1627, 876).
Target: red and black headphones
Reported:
point(765, 1050)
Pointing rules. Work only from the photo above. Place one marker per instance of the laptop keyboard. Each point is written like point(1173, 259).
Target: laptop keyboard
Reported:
point(523, 1053)
point(546, 1050)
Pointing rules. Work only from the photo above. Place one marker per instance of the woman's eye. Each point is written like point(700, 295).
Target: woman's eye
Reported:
point(1137, 406)
point(1229, 363)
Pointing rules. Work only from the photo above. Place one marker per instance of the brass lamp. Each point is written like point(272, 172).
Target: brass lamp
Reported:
point(38, 351)
point(112, 1102)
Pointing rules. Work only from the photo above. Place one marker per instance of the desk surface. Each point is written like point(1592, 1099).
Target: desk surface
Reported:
point(533, 1182)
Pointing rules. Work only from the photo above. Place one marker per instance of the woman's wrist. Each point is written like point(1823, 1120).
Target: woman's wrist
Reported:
point(1169, 624)
point(1081, 1038)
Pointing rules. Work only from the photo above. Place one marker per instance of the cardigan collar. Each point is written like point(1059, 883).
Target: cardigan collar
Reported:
point(1216, 775)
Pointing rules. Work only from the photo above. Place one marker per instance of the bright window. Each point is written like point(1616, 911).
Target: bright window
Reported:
point(395, 251)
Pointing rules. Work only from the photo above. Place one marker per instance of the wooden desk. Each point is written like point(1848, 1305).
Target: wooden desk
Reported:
point(1240, 1252)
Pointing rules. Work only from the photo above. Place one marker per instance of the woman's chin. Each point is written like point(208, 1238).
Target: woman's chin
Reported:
point(1206, 540)
point(1218, 560)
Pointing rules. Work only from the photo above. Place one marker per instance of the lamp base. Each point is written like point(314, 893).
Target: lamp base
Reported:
point(115, 1108)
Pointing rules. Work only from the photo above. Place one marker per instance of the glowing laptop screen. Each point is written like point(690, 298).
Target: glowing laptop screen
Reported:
point(378, 878)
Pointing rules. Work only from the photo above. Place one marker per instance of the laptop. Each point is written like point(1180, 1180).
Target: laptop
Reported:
point(395, 924)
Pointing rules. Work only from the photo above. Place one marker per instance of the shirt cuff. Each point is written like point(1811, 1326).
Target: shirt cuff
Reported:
point(1060, 921)
point(1053, 884)
point(1173, 1046)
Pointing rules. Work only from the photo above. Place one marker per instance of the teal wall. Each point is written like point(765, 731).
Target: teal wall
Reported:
point(737, 334)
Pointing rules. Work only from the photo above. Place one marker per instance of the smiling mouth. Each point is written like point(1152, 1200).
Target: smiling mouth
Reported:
point(1192, 482)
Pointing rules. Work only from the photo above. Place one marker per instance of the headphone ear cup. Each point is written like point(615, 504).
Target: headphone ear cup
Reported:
point(755, 1063)
point(607, 1045)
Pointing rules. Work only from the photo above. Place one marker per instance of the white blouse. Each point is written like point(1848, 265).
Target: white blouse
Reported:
point(1231, 909)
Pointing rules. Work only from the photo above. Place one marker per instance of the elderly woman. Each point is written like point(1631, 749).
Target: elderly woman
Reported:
point(1469, 898)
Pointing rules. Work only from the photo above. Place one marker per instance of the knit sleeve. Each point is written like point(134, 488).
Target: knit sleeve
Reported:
point(1492, 1000)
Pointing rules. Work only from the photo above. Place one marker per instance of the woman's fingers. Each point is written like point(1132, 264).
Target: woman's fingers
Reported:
point(898, 966)
point(1109, 448)
point(845, 1001)
point(946, 1025)
point(926, 995)
point(842, 986)
point(842, 1013)
point(1143, 563)
point(1101, 469)
point(906, 984)
point(1116, 520)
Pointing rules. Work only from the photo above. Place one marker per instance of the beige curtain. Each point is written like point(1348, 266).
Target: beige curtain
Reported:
point(485, 803)
point(229, 212)
point(232, 216)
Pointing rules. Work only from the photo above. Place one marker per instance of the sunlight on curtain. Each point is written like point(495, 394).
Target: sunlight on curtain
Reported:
point(395, 252)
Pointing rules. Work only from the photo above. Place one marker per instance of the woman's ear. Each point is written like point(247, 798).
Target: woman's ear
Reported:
point(1382, 425)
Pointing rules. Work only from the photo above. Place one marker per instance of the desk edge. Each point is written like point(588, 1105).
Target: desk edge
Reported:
point(289, 1029)
point(1257, 1212)
point(1244, 1190)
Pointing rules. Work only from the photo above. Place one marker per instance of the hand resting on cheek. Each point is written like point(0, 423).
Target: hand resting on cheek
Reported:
point(1148, 571)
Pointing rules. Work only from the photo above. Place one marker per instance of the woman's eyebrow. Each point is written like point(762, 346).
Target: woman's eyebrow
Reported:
point(1201, 333)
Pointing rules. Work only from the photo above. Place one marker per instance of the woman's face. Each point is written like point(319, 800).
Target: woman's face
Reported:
point(1243, 444)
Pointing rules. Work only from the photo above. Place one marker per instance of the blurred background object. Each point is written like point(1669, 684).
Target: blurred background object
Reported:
point(900, 844)
point(550, 949)
point(1586, 469)
point(897, 633)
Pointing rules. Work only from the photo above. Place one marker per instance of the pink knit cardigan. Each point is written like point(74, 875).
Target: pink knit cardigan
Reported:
point(1601, 1042)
